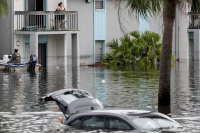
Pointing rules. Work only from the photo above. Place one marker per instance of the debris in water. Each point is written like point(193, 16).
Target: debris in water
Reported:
point(56, 67)
point(103, 81)
point(40, 68)
point(83, 64)
point(97, 65)
point(4, 69)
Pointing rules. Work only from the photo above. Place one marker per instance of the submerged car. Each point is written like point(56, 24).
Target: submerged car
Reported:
point(83, 111)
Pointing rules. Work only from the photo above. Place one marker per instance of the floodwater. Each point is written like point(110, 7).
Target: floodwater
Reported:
point(116, 87)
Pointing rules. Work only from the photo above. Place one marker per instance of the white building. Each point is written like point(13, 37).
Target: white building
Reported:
point(89, 25)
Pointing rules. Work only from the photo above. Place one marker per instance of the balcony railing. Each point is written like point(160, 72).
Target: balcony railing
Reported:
point(46, 20)
point(194, 21)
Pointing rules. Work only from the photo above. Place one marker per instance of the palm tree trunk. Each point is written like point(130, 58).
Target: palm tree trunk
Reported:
point(169, 14)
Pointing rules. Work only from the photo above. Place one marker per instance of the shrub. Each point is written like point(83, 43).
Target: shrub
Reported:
point(135, 47)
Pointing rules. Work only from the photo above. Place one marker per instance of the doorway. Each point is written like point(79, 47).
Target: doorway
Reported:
point(99, 51)
point(191, 45)
point(35, 5)
point(27, 52)
point(42, 54)
point(35, 20)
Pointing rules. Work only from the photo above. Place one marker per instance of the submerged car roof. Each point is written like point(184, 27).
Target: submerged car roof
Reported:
point(126, 113)
point(122, 113)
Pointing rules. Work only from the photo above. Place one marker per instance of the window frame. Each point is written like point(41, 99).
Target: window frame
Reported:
point(105, 121)
point(78, 125)
point(103, 6)
point(115, 117)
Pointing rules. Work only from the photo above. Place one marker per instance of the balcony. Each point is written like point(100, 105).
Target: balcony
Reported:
point(46, 21)
point(194, 21)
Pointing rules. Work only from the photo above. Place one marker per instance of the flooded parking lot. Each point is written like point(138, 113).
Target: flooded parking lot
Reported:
point(116, 87)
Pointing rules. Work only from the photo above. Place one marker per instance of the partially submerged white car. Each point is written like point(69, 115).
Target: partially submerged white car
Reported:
point(83, 111)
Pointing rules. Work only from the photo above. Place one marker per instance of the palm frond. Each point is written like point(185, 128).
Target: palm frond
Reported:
point(3, 8)
point(144, 48)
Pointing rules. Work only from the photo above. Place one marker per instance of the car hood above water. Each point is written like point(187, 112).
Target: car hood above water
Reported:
point(73, 100)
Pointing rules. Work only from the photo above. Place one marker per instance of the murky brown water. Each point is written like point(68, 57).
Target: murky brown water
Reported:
point(116, 87)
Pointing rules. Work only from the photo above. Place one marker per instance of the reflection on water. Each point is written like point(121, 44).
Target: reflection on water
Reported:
point(116, 87)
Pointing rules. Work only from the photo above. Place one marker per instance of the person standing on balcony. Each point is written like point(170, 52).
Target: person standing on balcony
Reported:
point(60, 18)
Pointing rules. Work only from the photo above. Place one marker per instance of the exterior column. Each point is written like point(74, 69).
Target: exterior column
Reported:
point(76, 77)
point(34, 44)
point(65, 50)
point(196, 40)
point(75, 61)
point(75, 50)
point(183, 36)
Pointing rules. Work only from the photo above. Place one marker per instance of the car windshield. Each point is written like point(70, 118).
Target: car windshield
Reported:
point(71, 96)
point(150, 123)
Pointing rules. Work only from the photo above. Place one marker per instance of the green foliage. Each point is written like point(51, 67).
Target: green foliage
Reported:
point(135, 47)
point(3, 8)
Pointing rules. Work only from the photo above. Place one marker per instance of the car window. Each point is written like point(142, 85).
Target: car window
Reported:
point(93, 122)
point(118, 124)
point(152, 123)
point(164, 123)
point(76, 122)
point(145, 123)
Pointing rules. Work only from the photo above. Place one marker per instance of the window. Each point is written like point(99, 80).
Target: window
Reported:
point(76, 122)
point(150, 123)
point(98, 4)
point(146, 123)
point(94, 122)
point(118, 124)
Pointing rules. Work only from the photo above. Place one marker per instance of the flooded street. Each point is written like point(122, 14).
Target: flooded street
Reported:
point(116, 87)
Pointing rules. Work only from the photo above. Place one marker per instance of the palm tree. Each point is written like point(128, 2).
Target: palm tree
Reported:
point(168, 7)
point(3, 8)
point(151, 46)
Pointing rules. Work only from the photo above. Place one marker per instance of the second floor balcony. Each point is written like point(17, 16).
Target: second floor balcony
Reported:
point(46, 21)
point(194, 20)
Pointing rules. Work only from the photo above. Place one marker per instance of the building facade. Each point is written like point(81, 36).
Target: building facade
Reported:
point(89, 26)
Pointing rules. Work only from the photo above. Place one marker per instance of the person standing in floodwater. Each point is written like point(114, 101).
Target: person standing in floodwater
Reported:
point(60, 18)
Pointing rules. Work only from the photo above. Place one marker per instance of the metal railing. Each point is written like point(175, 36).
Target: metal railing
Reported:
point(46, 20)
point(194, 21)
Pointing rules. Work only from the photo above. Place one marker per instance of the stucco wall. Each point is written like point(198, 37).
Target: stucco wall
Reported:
point(20, 48)
point(6, 33)
point(112, 24)
point(52, 4)
point(18, 6)
point(85, 24)
point(56, 50)
point(183, 36)
point(156, 24)
point(51, 50)
point(180, 45)
point(60, 50)
point(86, 20)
